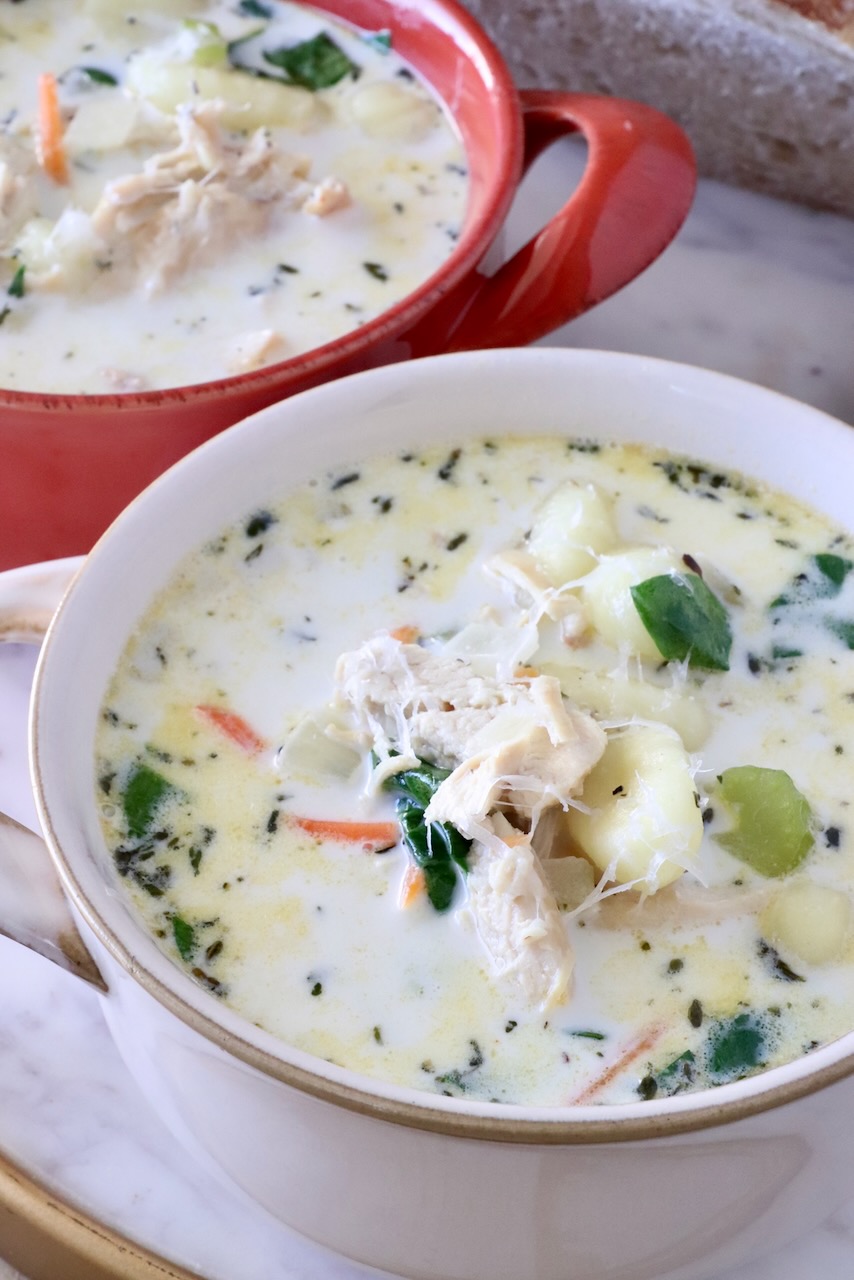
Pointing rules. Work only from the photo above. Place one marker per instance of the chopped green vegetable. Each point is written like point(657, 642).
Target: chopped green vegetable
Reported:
point(822, 579)
point(254, 9)
point(842, 629)
point(676, 1077)
point(16, 288)
point(735, 1048)
point(314, 64)
point(185, 937)
point(144, 792)
point(437, 847)
point(380, 40)
point(685, 620)
point(97, 76)
point(773, 821)
point(210, 48)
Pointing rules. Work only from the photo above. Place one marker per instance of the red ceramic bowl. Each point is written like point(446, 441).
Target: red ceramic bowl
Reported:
point(70, 463)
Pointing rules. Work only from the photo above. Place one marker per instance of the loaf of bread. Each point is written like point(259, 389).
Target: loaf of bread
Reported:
point(764, 88)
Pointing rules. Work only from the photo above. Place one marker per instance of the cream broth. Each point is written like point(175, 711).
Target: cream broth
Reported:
point(693, 968)
point(224, 186)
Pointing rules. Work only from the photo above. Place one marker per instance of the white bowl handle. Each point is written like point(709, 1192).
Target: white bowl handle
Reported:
point(29, 598)
point(35, 911)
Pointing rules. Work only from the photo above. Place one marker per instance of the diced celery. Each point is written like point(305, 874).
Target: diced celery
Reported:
point(772, 829)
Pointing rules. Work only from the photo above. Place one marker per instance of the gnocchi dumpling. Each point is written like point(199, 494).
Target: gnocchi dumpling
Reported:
point(384, 110)
point(644, 821)
point(808, 920)
point(249, 102)
point(570, 529)
point(611, 697)
point(607, 595)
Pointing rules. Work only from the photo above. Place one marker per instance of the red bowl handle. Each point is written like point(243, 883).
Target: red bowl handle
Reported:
point(633, 197)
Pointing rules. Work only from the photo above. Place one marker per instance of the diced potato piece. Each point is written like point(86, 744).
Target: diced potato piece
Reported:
point(310, 753)
point(645, 823)
point(385, 110)
point(613, 698)
point(808, 920)
point(112, 120)
point(61, 254)
point(570, 528)
point(606, 592)
point(250, 102)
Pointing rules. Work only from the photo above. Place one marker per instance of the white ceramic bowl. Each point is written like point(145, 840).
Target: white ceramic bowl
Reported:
point(421, 1185)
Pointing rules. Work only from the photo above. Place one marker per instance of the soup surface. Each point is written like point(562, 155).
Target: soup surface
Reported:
point(517, 770)
point(193, 190)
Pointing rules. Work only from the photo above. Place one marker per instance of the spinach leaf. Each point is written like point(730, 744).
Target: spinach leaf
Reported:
point(842, 629)
point(314, 64)
point(685, 619)
point(822, 579)
point(185, 937)
point(143, 794)
point(736, 1047)
point(437, 847)
point(16, 288)
point(379, 40)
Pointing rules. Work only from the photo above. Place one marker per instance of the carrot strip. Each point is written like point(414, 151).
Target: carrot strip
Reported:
point(233, 727)
point(414, 883)
point(372, 836)
point(634, 1050)
point(405, 634)
point(52, 155)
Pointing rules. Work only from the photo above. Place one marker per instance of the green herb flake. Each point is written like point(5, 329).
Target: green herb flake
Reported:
point(185, 937)
point(254, 9)
point(822, 579)
point(379, 40)
point(144, 792)
point(313, 64)
point(16, 288)
point(842, 629)
point(376, 269)
point(96, 75)
point(685, 620)
point(772, 829)
point(259, 523)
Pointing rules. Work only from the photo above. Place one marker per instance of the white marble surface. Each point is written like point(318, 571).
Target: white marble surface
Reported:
point(751, 287)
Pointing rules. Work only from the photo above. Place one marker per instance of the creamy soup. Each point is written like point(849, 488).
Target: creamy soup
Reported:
point(516, 771)
point(193, 190)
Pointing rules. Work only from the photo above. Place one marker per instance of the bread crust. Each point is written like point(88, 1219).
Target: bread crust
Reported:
point(765, 92)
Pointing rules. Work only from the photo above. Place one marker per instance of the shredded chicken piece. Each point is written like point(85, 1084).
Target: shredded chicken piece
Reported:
point(254, 350)
point(327, 196)
point(518, 921)
point(17, 174)
point(187, 204)
point(515, 748)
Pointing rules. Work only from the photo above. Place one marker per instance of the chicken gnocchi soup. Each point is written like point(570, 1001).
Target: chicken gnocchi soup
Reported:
point(195, 189)
point(515, 771)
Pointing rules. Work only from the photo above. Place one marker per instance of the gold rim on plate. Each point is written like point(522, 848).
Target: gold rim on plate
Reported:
point(45, 1237)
